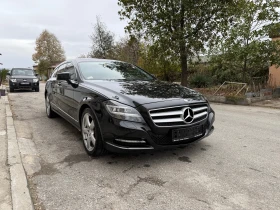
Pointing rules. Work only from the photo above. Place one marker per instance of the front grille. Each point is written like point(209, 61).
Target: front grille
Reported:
point(174, 116)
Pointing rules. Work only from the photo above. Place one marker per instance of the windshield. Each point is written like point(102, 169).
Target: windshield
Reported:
point(22, 72)
point(112, 70)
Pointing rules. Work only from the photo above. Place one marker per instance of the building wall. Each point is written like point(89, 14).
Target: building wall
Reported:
point(274, 73)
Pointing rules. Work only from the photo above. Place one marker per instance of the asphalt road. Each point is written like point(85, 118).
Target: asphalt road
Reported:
point(238, 167)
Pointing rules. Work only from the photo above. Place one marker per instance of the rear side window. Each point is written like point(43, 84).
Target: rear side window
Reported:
point(54, 73)
point(60, 69)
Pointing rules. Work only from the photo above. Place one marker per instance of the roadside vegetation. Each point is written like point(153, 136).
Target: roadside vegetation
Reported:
point(197, 43)
point(3, 75)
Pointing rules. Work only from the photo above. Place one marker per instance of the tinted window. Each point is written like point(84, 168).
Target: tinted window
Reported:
point(60, 69)
point(22, 72)
point(54, 72)
point(71, 69)
point(112, 70)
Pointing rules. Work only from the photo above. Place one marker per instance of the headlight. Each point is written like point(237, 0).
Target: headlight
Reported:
point(13, 80)
point(35, 80)
point(123, 112)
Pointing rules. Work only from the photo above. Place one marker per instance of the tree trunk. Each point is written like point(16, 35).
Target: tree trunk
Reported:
point(184, 65)
point(183, 52)
point(244, 69)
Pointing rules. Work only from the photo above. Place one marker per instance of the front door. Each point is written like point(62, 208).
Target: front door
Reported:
point(68, 101)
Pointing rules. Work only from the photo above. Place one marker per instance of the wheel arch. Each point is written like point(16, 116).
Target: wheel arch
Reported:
point(82, 108)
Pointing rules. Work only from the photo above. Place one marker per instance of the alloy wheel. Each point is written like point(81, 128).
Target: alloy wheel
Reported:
point(88, 131)
point(48, 106)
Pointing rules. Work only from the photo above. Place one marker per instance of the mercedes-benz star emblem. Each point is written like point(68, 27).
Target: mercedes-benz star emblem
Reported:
point(188, 115)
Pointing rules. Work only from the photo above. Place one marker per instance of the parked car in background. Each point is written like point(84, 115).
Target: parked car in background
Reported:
point(23, 79)
point(119, 107)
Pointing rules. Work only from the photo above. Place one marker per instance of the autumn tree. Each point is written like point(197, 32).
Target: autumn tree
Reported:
point(102, 41)
point(183, 26)
point(128, 49)
point(48, 51)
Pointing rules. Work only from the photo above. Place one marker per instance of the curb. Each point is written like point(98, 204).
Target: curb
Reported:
point(21, 198)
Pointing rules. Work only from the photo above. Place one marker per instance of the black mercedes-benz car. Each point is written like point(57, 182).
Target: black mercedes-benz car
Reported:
point(119, 107)
point(21, 78)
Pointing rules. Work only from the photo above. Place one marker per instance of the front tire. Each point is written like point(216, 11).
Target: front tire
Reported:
point(49, 111)
point(37, 89)
point(12, 90)
point(92, 138)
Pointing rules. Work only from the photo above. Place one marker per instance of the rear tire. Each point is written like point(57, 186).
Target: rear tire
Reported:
point(49, 111)
point(91, 134)
point(37, 89)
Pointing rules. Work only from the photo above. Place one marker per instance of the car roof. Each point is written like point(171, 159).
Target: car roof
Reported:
point(78, 60)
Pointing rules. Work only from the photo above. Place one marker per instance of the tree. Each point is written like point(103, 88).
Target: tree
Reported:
point(102, 41)
point(245, 49)
point(128, 49)
point(164, 66)
point(48, 51)
point(183, 27)
point(3, 74)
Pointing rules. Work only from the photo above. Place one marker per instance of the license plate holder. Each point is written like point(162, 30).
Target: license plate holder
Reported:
point(25, 83)
point(186, 133)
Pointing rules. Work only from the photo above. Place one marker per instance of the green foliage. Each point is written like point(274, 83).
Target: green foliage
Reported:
point(43, 68)
point(200, 80)
point(274, 30)
point(182, 28)
point(3, 75)
point(102, 41)
point(245, 51)
point(159, 64)
point(128, 49)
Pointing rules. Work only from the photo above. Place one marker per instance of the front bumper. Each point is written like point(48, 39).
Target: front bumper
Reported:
point(20, 86)
point(123, 136)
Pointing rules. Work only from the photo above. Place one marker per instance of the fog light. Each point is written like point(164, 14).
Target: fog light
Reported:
point(211, 119)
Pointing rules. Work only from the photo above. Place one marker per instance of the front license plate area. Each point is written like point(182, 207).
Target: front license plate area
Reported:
point(186, 133)
point(25, 83)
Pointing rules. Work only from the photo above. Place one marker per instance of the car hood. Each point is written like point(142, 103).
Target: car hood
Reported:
point(23, 77)
point(137, 93)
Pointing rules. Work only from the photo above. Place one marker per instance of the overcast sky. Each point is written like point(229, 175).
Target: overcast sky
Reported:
point(22, 21)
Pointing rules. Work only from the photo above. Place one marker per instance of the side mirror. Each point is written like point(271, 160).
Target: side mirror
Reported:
point(67, 77)
point(63, 76)
point(36, 75)
point(8, 73)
